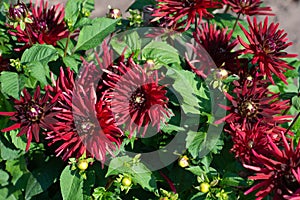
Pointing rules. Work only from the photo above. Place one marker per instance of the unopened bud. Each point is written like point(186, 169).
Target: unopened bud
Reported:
point(18, 12)
point(220, 74)
point(114, 13)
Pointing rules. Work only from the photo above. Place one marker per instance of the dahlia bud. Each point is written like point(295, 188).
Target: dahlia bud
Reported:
point(18, 12)
point(114, 13)
point(183, 161)
point(221, 74)
point(150, 63)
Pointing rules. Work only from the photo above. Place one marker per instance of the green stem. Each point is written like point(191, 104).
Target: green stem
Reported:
point(67, 44)
point(226, 9)
point(236, 21)
point(292, 124)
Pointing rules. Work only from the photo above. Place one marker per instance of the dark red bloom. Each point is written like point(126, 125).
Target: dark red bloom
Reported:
point(136, 98)
point(253, 103)
point(218, 45)
point(244, 140)
point(84, 125)
point(266, 43)
point(32, 114)
point(174, 11)
point(47, 26)
point(248, 7)
point(277, 172)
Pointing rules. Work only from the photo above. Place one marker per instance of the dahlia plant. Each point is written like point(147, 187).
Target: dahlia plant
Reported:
point(176, 99)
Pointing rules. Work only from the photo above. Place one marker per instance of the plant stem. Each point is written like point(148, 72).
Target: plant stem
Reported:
point(30, 40)
point(226, 9)
point(67, 44)
point(237, 19)
point(292, 124)
point(196, 22)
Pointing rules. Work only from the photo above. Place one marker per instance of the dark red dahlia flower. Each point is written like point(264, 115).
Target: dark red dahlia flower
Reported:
point(84, 125)
point(251, 137)
point(32, 114)
point(248, 7)
point(132, 92)
point(47, 25)
point(218, 45)
point(266, 43)
point(253, 103)
point(277, 172)
point(183, 13)
point(137, 100)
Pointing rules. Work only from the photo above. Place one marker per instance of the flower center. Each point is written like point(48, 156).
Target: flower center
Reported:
point(86, 126)
point(34, 113)
point(245, 3)
point(248, 109)
point(269, 46)
point(138, 99)
point(43, 25)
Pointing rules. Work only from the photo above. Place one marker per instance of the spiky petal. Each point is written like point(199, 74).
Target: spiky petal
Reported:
point(266, 44)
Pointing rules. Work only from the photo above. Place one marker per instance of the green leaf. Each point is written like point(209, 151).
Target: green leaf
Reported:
point(41, 53)
point(10, 193)
point(139, 173)
point(197, 170)
point(89, 5)
point(194, 142)
point(18, 171)
point(42, 178)
point(10, 84)
point(233, 180)
point(186, 84)
point(8, 152)
point(92, 35)
point(4, 176)
point(71, 62)
point(100, 193)
point(296, 102)
point(161, 52)
point(39, 72)
point(71, 185)
point(72, 11)
point(130, 41)
point(18, 141)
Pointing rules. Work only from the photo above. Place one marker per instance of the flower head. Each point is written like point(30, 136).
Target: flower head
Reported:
point(279, 173)
point(253, 103)
point(136, 98)
point(85, 125)
point(174, 11)
point(252, 137)
point(266, 43)
point(248, 7)
point(47, 26)
point(218, 45)
point(32, 114)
